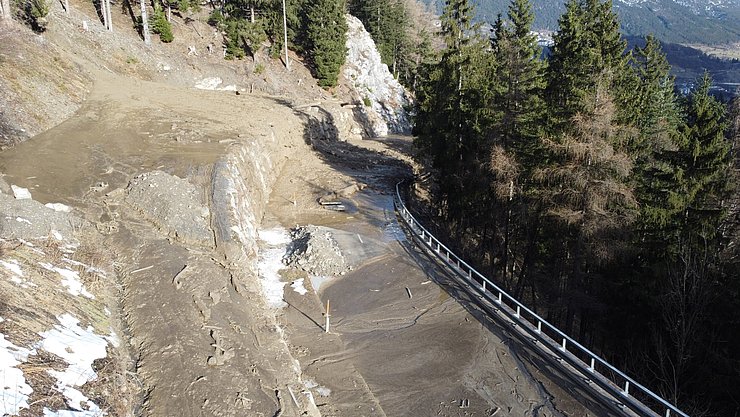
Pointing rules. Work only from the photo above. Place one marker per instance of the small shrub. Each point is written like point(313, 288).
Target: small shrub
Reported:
point(366, 101)
point(259, 69)
point(161, 26)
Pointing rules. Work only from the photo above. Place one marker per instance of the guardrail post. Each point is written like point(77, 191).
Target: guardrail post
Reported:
point(667, 412)
point(562, 347)
point(626, 391)
point(539, 327)
point(470, 274)
point(518, 311)
point(499, 297)
point(484, 286)
point(592, 368)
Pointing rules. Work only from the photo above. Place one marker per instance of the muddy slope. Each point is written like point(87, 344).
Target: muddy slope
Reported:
point(178, 192)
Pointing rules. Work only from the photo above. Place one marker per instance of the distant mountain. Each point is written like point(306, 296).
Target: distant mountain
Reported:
point(675, 21)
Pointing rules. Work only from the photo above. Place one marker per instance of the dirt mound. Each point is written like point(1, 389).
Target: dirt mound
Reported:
point(172, 204)
point(315, 251)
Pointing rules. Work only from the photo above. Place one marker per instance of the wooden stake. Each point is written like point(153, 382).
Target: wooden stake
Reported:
point(326, 328)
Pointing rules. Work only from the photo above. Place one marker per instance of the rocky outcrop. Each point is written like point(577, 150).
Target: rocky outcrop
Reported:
point(382, 100)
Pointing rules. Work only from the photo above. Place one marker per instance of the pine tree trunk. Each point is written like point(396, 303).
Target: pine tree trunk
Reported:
point(145, 23)
point(251, 11)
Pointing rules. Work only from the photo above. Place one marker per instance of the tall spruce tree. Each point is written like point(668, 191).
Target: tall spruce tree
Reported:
point(519, 82)
point(326, 30)
point(587, 44)
point(452, 107)
point(519, 113)
point(705, 159)
point(655, 112)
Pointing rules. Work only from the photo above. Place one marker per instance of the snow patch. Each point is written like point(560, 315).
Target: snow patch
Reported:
point(71, 280)
point(274, 237)
point(22, 220)
point(14, 391)
point(269, 264)
point(79, 348)
point(12, 266)
point(298, 287)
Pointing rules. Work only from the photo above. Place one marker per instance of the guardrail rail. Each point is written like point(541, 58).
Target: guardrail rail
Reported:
point(592, 367)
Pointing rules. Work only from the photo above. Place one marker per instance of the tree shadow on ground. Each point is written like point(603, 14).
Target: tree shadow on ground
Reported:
point(534, 358)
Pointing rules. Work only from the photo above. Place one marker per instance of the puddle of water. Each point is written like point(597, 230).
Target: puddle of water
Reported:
point(63, 163)
point(318, 281)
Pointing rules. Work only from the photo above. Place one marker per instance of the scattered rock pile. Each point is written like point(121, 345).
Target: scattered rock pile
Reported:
point(315, 251)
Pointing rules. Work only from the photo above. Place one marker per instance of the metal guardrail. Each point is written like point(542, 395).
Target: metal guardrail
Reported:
point(617, 383)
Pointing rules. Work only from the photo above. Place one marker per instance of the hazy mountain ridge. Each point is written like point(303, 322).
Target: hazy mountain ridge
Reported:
point(674, 21)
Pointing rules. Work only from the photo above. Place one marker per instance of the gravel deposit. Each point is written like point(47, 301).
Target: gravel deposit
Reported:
point(172, 204)
point(315, 251)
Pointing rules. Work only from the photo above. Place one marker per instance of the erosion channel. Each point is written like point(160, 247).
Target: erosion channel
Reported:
point(199, 209)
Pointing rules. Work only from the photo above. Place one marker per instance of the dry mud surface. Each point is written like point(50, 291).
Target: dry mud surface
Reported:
point(141, 161)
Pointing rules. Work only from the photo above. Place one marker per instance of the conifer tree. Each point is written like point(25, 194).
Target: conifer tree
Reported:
point(587, 44)
point(519, 113)
point(654, 111)
point(705, 160)
point(326, 30)
point(452, 107)
point(519, 81)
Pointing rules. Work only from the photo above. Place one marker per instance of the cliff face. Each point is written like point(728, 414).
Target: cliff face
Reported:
point(383, 100)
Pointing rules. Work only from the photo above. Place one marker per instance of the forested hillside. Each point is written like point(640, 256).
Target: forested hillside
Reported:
point(669, 20)
point(586, 186)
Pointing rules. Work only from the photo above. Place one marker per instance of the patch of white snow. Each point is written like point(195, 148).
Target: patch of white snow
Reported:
point(14, 391)
point(269, 264)
point(79, 348)
point(298, 287)
point(12, 266)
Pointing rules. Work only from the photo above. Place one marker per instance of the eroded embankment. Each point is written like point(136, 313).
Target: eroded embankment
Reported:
point(173, 196)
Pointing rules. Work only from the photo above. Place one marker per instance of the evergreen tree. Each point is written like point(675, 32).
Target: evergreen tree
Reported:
point(452, 108)
point(588, 43)
point(705, 159)
point(655, 112)
point(519, 113)
point(326, 30)
point(519, 81)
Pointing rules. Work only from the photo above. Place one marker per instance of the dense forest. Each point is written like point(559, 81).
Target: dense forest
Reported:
point(589, 188)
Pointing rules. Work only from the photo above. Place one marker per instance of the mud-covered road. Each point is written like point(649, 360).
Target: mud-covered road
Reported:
point(179, 181)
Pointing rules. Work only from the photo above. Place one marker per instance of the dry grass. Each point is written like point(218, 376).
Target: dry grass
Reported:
point(34, 309)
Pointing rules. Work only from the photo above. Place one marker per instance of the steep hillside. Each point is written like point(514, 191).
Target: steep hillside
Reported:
point(675, 21)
